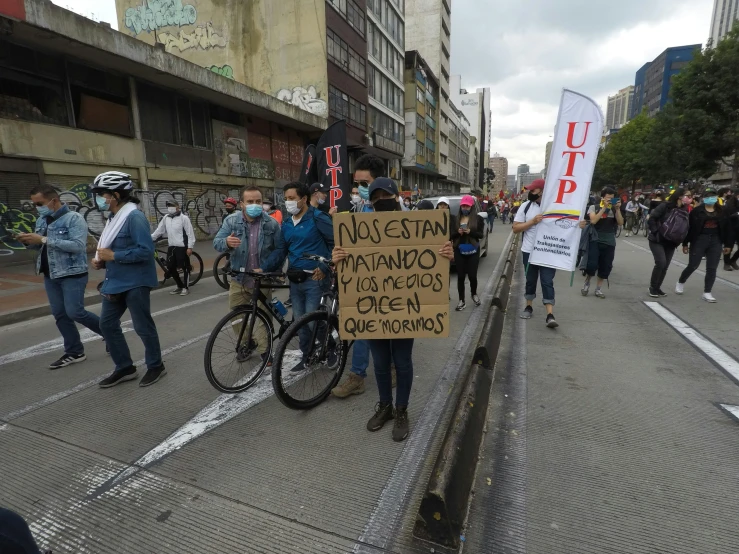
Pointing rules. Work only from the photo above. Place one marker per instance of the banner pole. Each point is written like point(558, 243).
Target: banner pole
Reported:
point(572, 279)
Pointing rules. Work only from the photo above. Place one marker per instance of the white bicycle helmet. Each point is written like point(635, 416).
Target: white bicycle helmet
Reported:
point(111, 181)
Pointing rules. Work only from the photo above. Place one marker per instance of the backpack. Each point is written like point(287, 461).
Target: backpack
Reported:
point(675, 227)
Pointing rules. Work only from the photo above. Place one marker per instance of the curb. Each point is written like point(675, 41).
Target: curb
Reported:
point(44, 310)
point(444, 504)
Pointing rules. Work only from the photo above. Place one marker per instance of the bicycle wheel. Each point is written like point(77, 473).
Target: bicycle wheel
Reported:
point(301, 390)
point(221, 267)
point(619, 228)
point(233, 363)
point(645, 231)
point(196, 268)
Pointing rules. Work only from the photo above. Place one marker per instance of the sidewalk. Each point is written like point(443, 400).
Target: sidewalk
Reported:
point(22, 293)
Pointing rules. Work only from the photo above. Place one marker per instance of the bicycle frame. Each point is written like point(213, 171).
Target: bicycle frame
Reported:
point(258, 296)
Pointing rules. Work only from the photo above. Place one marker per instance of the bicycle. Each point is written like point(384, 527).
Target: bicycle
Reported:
point(222, 269)
point(236, 338)
point(196, 269)
point(326, 358)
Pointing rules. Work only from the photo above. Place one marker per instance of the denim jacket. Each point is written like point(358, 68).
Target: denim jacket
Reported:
point(269, 237)
point(133, 251)
point(66, 243)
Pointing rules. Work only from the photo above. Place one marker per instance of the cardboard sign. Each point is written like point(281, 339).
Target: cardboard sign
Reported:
point(393, 284)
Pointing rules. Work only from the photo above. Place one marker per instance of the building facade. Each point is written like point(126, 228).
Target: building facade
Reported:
point(428, 31)
point(725, 13)
point(521, 170)
point(654, 80)
point(458, 175)
point(510, 184)
point(78, 98)
point(476, 107)
point(547, 156)
point(499, 165)
point(619, 108)
point(421, 159)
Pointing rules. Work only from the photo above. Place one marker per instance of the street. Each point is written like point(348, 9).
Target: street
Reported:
point(178, 468)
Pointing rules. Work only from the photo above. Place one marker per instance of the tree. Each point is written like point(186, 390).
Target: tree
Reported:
point(706, 101)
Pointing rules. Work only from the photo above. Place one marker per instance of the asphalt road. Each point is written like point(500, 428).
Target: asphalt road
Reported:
point(176, 467)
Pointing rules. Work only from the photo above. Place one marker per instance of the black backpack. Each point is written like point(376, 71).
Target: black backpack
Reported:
point(675, 227)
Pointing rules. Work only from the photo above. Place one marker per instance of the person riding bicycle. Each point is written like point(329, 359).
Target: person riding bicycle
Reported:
point(177, 227)
point(633, 213)
point(250, 236)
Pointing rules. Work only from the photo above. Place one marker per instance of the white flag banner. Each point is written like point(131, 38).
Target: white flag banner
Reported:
point(569, 176)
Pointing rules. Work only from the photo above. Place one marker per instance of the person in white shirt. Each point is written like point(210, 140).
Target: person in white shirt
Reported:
point(177, 227)
point(632, 213)
point(527, 217)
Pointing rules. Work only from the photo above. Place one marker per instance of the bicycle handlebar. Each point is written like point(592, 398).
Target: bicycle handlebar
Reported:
point(317, 258)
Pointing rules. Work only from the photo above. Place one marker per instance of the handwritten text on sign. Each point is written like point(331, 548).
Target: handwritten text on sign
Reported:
point(393, 283)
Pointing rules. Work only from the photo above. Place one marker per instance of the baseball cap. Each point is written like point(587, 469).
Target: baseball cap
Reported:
point(537, 184)
point(467, 200)
point(425, 205)
point(443, 200)
point(710, 191)
point(172, 203)
point(318, 187)
point(383, 183)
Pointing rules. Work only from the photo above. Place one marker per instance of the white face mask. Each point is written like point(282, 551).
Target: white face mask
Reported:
point(172, 210)
point(292, 207)
point(266, 207)
point(356, 199)
point(321, 200)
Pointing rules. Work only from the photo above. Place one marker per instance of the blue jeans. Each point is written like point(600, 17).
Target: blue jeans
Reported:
point(137, 301)
point(384, 352)
point(67, 301)
point(15, 534)
point(306, 298)
point(360, 358)
point(536, 273)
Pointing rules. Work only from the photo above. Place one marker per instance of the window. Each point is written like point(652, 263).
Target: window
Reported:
point(340, 5)
point(371, 81)
point(420, 148)
point(342, 106)
point(355, 17)
point(419, 95)
point(167, 117)
point(420, 122)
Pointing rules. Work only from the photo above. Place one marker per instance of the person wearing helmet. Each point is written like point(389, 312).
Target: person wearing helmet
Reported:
point(229, 204)
point(126, 253)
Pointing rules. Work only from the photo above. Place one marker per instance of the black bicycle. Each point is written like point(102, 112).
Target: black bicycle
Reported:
point(222, 269)
point(239, 348)
point(195, 261)
point(310, 357)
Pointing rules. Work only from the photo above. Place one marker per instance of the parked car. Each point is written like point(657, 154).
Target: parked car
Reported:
point(454, 208)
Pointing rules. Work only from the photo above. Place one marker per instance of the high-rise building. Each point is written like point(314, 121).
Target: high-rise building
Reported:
point(428, 31)
point(547, 155)
point(654, 80)
point(510, 183)
point(499, 165)
point(523, 168)
point(458, 175)
point(619, 108)
point(725, 12)
point(476, 107)
point(421, 159)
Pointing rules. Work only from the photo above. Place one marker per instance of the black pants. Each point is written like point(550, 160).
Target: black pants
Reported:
point(466, 267)
point(177, 259)
point(662, 252)
point(15, 536)
point(600, 259)
point(709, 246)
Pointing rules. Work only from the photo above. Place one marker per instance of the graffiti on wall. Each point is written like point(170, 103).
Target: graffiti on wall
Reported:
point(224, 71)
point(152, 15)
point(203, 37)
point(305, 99)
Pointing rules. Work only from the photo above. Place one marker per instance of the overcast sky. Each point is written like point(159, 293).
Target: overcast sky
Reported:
point(526, 51)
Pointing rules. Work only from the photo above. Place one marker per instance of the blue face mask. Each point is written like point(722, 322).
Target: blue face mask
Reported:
point(710, 201)
point(103, 206)
point(254, 210)
point(465, 212)
point(43, 211)
point(364, 193)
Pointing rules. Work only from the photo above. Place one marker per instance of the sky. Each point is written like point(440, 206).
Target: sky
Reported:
point(526, 51)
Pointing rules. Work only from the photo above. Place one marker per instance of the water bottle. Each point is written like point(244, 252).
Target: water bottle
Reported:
point(279, 307)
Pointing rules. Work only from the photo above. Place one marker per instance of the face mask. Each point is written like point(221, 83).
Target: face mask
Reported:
point(385, 205)
point(356, 199)
point(292, 207)
point(266, 207)
point(364, 193)
point(230, 210)
point(253, 210)
point(172, 210)
point(710, 201)
point(465, 212)
point(321, 201)
point(44, 211)
point(533, 197)
point(103, 205)
point(687, 200)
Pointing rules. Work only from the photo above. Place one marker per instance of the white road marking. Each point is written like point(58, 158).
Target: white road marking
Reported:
point(88, 336)
point(723, 360)
point(733, 411)
point(683, 264)
point(92, 382)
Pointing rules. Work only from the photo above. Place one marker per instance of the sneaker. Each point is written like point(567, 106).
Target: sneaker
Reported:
point(727, 267)
point(627, 235)
point(288, 303)
point(679, 288)
point(599, 293)
point(153, 375)
point(400, 429)
point(708, 297)
point(585, 290)
point(551, 322)
point(354, 384)
point(476, 300)
point(300, 366)
point(661, 293)
point(176, 291)
point(528, 311)
point(127, 374)
point(653, 293)
point(383, 414)
point(67, 359)
point(185, 292)
point(461, 306)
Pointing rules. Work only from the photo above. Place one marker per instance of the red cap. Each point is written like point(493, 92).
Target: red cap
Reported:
point(538, 184)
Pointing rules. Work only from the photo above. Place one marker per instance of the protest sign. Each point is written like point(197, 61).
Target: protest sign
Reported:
point(393, 284)
point(569, 176)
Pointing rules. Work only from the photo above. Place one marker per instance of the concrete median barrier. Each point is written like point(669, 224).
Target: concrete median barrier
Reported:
point(500, 296)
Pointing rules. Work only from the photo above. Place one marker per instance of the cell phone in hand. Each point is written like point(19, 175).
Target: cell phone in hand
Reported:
point(462, 225)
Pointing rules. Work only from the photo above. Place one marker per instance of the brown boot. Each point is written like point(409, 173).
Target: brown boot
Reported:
point(354, 384)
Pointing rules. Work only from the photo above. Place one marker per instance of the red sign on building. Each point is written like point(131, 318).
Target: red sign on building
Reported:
point(13, 8)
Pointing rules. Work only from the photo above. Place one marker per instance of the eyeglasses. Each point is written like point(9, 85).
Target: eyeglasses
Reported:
point(361, 183)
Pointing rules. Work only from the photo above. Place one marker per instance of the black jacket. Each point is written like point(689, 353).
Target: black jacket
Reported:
point(697, 221)
point(656, 218)
point(474, 236)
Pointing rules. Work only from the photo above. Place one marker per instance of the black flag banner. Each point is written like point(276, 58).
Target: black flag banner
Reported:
point(308, 172)
point(333, 166)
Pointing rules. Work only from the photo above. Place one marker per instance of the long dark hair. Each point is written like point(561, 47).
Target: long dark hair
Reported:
point(731, 206)
point(472, 218)
point(674, 197)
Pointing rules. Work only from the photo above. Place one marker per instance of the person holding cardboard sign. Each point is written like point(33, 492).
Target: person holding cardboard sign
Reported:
point(383, 194)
